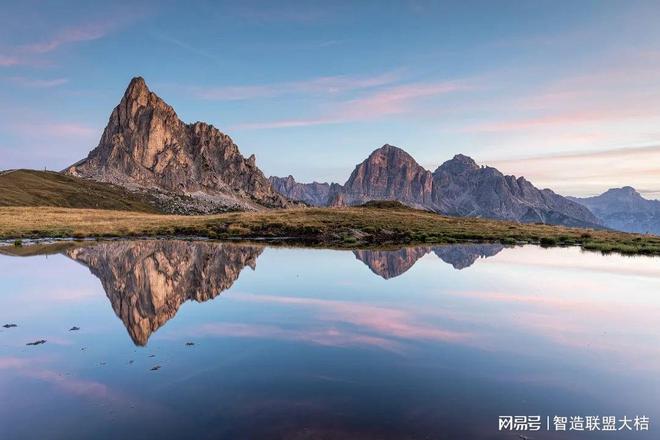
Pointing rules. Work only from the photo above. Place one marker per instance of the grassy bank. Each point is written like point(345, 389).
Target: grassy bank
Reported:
point(48, 188)
point(338, 227)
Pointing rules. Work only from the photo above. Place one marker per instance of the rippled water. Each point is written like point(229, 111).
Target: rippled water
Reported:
point(183, 339)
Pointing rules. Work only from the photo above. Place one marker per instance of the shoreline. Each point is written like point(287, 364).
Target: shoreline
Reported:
point(336, 228)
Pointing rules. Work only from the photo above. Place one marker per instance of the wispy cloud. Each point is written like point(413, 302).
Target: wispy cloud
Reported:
point(32, 53)
point(184, 45)
point(591, 172)
point(37, 83)
point(326, 85)
point(76, 34)
point(6, 60)
point(397, 99)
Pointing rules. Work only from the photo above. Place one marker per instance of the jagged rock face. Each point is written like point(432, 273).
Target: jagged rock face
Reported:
point(146, 145)
point(625, 209)
point(147, 281)
point(461, 256)
point(313, 194)
point(463, 188)
point(389, 173)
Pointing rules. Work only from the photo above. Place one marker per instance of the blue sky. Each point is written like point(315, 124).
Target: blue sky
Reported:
point(566, 93)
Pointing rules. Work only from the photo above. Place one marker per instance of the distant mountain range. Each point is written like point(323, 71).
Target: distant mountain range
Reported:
point(458, 187)
point(624, 209)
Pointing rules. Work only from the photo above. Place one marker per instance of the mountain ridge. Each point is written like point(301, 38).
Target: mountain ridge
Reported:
point(458, 187)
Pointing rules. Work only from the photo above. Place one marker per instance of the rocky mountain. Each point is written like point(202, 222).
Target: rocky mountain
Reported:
point(624, 209)
point(463, 188)
point(313, 194)
point(192, 167)
point(147, 281)
point(458, 187)
point(389, 173)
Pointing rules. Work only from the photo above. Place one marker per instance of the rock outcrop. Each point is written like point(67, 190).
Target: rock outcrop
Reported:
point(625, 209)
point(191, 167)
point(147, 281)
point(313, 194)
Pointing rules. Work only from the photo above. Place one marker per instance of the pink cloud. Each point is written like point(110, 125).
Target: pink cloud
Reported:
point(55, 129)
point(6, 61)
point(38, 83)
point(331, 337)
point(384, 102)
point(388, 322)
point(80, 33)
point(321, 85)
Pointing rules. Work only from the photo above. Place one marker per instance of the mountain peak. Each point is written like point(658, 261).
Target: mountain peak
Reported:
point(146, 146)
point(136, 87)
point(460, 163)
point(387, 148)
point(625, 191)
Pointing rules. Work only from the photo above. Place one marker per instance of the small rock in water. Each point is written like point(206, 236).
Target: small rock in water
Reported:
point(130, 362)
point(9, 325)
point(190, 344)
point(152, 355)
point(39, 342)
point(157, 367)
point(74, 328)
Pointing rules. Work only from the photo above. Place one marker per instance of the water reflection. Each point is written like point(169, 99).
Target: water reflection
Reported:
point(312, 344)
point(147, 281)
point(392, 263)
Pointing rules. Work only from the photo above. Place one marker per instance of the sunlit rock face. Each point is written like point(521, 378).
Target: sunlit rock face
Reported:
point(147, 281)
point(461, 256)
point(390, 264)
point(146, 146)
point(389, 173)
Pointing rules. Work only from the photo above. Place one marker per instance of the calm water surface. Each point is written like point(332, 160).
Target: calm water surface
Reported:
point(207, 340)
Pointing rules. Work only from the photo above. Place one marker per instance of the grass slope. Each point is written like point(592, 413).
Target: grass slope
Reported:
point(47, 188)
point(369, 226)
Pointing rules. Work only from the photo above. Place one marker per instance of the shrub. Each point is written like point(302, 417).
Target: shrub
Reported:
point(18, 243)
point(548, 241)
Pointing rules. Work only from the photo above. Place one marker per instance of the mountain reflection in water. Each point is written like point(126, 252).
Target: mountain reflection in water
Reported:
point(147, 281)
point(314, 344)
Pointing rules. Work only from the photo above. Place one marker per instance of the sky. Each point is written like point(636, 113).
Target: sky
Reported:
point(566, 93)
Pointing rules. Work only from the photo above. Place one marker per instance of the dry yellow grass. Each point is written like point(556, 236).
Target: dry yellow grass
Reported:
point(337, 227)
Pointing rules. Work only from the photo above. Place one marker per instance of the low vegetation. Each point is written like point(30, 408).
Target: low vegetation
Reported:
point(372, 225)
